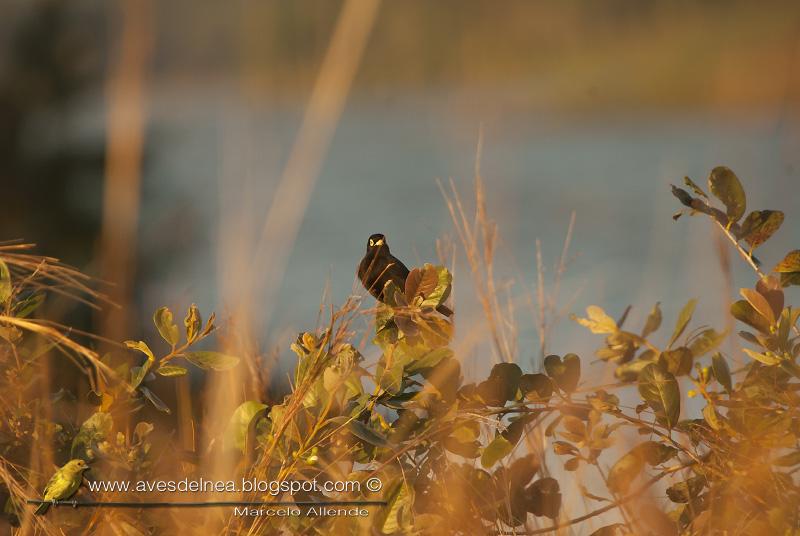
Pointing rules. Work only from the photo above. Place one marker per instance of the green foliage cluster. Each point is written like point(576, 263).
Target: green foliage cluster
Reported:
point(413, 423)
point(479, 458)
point(120, 390)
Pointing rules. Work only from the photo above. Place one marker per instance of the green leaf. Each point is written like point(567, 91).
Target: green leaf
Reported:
point(624, 472)
point(468, 449)
point(397, 509)
point(597, 320)
point(566, 374)
point(744, 312)
point(157, 402)
point(445, 376)
point(506, 376)
point(724, 184)
point(162, 318)
point(499, 448)
point(27, 306)
point(788, 279)
point(683, 320)
point(435, 331)
point(706, 341)
point(239, 424)
point(759, 303)
point(544, 498)
point(193, 322)
point(790, 263)
point(569, 382)
point(468, 431)
point(366, 433)
point(694, 187)
point(660, 391)
point(631, 464)
point(711, 417)
point(789, 268)
point(332, 379)
point(171, 370)
point(142, 430)
point(421, 282)
point(654, 453)
point(574, 426)
point(138, 373)
point(5, 282)
point(683, 492)
point(562, 447)
point(94, 430)
point(629, 372)
point(211, 360)
point(770, 288)
point(536, 387)
point(721, 371)
point(430, 359)
point(603, 401)
point(685, 199)
point(760, 225)
point(554, 366)
point(678, 362)
point(768, 359)
point(653, 321)
point(142, 347)
point(443, 286)
point(523, 469)
point(391, 379)
point(513, 433)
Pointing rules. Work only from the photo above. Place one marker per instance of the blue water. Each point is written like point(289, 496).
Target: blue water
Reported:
point(380, 176)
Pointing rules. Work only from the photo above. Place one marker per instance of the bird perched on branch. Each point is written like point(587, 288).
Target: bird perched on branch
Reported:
point(63, 484)
point(379, 266)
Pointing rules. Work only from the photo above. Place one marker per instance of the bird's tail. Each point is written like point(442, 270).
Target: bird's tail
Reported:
point(446, 311)
point(42, 509)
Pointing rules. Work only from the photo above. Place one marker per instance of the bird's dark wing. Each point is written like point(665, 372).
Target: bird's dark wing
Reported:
point(397, 272)
point(368, 272)
point(375, 271)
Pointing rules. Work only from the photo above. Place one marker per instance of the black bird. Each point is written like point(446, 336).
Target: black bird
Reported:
point(379, 266)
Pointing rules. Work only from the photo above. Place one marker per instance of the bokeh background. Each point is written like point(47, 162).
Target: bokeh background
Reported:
point(238, 155)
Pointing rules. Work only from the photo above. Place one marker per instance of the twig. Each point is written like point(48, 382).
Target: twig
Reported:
point(746, 256)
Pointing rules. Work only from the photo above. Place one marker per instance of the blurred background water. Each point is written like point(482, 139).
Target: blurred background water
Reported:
point(592, 108)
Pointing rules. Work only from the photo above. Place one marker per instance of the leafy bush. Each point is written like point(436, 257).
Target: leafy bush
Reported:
point(469, 458)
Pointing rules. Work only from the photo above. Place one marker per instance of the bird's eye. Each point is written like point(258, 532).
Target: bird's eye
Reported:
point(371, 242)
point(379, 242)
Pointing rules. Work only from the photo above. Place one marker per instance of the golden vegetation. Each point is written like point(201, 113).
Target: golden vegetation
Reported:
point(454, 457)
